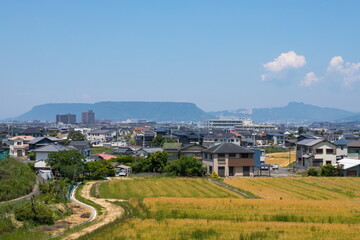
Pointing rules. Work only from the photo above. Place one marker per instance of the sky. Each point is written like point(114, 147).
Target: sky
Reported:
point(220, 55)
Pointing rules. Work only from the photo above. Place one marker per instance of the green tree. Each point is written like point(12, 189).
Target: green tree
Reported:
point(36, 212)
point(158, 161)
point(301, 130)
point(69, 164)
point(132, 142)
point(329, 170)
point(52, 134)
point(100, 169)
point(187, 166)
point(128, 159)
point(76, 136)
point(313, 172)
point(141, 165)
point(158, 141)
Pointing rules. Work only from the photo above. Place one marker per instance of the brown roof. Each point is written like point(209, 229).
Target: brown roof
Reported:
point(354, 144)
point(25, 138)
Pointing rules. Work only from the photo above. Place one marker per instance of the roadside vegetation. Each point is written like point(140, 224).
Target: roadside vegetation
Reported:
point(99, 150)
point(16, 179)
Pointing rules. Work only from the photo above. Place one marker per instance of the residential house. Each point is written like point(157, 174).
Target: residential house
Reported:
point(19, 146)
point(123, 151)
point(351, 167)
point(215, 139)
point(84, 147)
point(43, 141)
point(315, 152)
point(43, 152)
point(229, 159)
point(341, 148)
point(100, 136)
point(145, 151)
point(192, 149)
point(354, 149)
point(172, 149)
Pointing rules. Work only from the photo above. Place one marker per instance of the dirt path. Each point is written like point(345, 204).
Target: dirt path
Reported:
point(35, 191)
point(110, 212)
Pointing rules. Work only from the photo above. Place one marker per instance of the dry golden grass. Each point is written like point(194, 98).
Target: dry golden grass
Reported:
point(281, 158)
point(316, 188)
point(181, 229)
point(254, 210)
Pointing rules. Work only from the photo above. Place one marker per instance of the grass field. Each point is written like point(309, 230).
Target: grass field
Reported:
point(315, 188)
point(303, 212)
point(163, 187)
point(281, 158)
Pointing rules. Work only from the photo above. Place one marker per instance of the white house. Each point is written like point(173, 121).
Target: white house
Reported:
point(315, 152)
point(19, 146)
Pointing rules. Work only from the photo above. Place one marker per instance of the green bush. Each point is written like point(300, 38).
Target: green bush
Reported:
point(187, 166)
point(313, 172)
point(35, 212)
point(16, 179)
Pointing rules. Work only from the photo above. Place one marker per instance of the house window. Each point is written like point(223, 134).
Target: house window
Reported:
point(18, 143)
point(244, 155)
point(319, 151)
point(328, 162)
point(232, 155)
point(221, 155)
point(329, 151)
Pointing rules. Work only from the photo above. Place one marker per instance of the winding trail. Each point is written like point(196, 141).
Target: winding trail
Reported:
point(235, 190)
point(110, 212)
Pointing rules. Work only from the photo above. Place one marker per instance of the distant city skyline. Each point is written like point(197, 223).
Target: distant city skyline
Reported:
point(220, 55)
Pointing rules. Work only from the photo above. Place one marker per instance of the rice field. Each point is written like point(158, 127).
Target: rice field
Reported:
point(163, 187)
point(254, 210)
point(310, 208)
point(281, 158)
point(301, 188)
point(188, 229)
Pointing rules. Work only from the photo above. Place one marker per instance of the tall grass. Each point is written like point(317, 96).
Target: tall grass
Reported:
point(16, 179)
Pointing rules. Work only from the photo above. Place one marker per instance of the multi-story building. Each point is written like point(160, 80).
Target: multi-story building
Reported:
point(315, 152)
point(66, 118)
point(88, 117)
point(228, 159)
point(226, 123)
point(19, 146)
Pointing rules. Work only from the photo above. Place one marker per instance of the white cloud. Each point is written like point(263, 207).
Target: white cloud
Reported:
point(348, 72)
point(284, 61)
point(309, 79)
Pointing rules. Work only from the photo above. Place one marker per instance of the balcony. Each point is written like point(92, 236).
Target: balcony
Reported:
point(241, 162)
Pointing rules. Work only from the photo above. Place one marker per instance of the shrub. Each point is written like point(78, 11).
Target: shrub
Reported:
point(214, 175)
point(6, 225)
point(186, 166)
point(312, 172)
point(35, 212)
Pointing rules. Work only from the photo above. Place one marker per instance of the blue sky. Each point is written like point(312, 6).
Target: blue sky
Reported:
point(217, 54)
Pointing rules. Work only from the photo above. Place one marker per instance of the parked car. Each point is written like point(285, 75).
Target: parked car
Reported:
point(265, 166)
point(276, 166)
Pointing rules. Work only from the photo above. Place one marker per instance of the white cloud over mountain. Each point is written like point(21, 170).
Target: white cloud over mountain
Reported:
point(309, 79)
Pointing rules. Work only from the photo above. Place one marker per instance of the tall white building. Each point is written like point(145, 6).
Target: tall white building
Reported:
point(226, 123)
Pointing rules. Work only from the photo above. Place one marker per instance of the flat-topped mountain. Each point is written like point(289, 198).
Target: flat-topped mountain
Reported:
point(119, 111)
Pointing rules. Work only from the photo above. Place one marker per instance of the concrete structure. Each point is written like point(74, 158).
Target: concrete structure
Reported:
point(315, 153)
point(226, 123)
point(88, 117)
point(66, 118)
point(228, 159)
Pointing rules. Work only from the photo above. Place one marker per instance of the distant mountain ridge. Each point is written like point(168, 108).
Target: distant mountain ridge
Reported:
point(293, 112)
point(119, 111)
point(184, 111)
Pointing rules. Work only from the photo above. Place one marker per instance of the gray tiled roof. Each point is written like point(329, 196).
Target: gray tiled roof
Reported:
point(227, 148)
point(53, 148)
point(310, 142)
